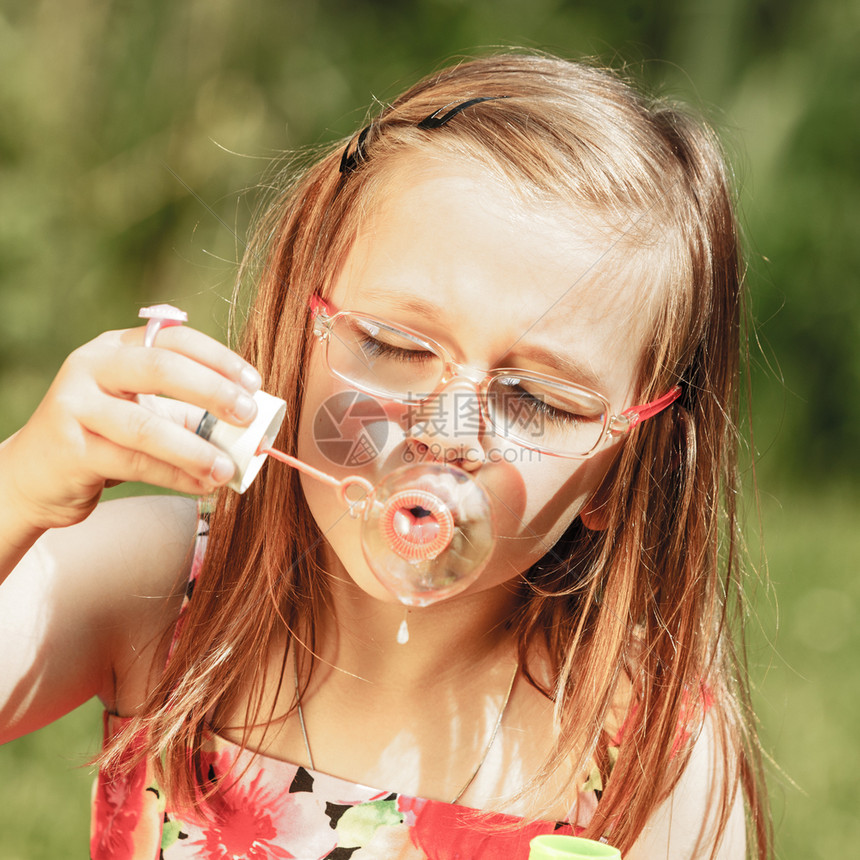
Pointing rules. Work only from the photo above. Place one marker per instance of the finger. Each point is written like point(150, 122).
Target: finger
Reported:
point(202, 349)
point(127, 465)
point(146, 437)
point(141, 370)
point(183, 414)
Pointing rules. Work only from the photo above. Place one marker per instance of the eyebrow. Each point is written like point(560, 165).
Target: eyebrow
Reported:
point(567, 369)
point(412, 304)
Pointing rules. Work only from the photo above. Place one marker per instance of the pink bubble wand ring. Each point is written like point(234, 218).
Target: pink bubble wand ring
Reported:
point(159, 317)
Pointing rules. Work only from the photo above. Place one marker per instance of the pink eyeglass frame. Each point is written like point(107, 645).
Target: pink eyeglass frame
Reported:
point(616, 425)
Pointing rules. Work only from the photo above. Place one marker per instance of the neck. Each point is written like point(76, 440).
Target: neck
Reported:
point(445, 640)
point(430, 713)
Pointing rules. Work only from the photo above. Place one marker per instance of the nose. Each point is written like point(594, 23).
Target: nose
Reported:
point(449, 426)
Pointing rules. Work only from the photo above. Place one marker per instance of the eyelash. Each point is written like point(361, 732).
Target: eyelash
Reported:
point(380, 349)
point(557, 416)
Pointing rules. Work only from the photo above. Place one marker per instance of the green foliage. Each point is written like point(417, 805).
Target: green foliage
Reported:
point(46, 787)
point(803, 657)
point(131, 131)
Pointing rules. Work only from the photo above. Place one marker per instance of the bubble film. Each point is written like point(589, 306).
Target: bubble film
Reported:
point(428, 533)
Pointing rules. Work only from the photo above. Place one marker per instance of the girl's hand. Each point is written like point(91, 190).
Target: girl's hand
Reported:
point(99, 424)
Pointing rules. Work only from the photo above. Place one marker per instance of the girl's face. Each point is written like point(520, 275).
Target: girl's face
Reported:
point(450, 252)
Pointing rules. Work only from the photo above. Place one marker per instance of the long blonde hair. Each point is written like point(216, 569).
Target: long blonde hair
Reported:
point(655, 596)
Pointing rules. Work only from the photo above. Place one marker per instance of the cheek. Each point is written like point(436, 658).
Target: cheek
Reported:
point(536, 498)
point(345, 432)
point(342, 433)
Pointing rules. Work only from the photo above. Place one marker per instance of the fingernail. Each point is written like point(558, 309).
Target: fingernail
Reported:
point(250, 379)
point(222, 469)
point(244, 408)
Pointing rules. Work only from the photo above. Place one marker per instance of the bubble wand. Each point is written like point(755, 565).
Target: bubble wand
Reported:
point(426, 529)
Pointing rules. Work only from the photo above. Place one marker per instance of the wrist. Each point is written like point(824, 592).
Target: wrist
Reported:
point(19, 526)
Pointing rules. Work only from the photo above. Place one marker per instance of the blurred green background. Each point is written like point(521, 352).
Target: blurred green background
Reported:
point(132, 135)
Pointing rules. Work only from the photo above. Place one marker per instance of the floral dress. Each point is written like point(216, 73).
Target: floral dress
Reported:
point(274, 809)
point(267, 808)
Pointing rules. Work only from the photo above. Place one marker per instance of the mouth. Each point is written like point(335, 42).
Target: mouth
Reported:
point(417, 525)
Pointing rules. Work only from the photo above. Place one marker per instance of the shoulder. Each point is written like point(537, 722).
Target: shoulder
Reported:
point(144, 573)
point(148, 539)
point(128, 554)
point(86, 610)
point(686, 824)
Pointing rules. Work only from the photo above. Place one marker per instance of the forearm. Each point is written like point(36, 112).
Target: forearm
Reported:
point(17, 532)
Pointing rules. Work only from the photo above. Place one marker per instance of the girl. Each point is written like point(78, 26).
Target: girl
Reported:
point(520, 269)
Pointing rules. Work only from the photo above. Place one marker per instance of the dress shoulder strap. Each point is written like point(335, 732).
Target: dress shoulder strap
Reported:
point(204, 509)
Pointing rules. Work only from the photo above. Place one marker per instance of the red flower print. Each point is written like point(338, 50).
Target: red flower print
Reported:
point(445, 831)
point(126, 820)
point(244, 823)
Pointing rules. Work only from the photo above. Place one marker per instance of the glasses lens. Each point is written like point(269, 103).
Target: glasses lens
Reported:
point(547, 415)
point(382, 359)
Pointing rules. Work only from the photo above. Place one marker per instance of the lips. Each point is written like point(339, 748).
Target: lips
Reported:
point(416, 524)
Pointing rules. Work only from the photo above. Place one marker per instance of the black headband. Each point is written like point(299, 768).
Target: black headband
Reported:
point(350, 160)
point(434, 120)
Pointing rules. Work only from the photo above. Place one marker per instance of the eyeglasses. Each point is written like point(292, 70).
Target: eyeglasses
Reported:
point(535, 410)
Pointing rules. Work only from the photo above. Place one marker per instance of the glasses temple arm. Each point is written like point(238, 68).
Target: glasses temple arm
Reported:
point(637, 414)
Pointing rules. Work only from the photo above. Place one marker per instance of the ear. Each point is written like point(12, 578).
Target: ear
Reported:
point(595, 513)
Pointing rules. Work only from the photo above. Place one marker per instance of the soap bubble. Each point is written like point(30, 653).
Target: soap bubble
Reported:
point(428, 533)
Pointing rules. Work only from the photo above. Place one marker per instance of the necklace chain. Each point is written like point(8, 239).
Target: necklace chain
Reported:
point(502, 710)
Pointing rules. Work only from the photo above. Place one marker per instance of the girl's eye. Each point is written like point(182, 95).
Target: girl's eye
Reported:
point(533, 406)
point(528, 406)
point(375, 348)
